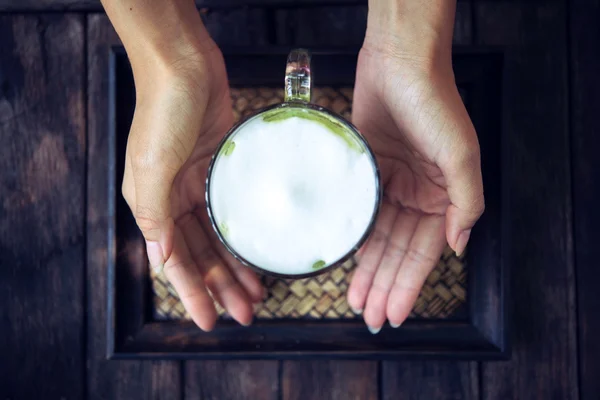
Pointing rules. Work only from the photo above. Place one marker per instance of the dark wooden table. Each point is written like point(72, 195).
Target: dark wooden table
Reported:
point(52, 335)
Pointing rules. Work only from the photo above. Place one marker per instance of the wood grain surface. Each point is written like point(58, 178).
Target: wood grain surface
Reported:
point(535, 124)
point(52, 295)
point(216, 380)
point(42, 194)
point(432, 380)
point(585, 125)
point(109, 379)
point(236, 379)
point(321, 26)
point(333, 380)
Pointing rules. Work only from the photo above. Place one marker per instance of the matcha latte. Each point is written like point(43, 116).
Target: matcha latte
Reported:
point(293, 190)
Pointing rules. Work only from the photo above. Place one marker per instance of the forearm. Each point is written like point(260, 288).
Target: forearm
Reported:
point(412, 28)
point(157, 33)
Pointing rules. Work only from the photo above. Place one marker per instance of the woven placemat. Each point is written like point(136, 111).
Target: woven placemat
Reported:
point(323, 296)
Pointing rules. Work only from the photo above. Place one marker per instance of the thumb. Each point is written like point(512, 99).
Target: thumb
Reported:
point(462, 171)
point(155, 157)
point(152, 183)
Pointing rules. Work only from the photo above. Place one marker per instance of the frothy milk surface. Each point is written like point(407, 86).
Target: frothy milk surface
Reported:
point(292, 194)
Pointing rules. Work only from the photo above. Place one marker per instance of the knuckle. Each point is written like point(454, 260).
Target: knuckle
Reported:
point(156, 161)
point(190, 295)
point(479, 206)
point(419, 258)
point(128, 193)
point(186, 282)
point(143, 160)
point(218, 280)
point(412, 280)
point(382, 286)
point(206, 257)
point(378, 237)
point(469, 157)
point(178, 267)
point(175, 267)
point(476, 206)
point(394, 251)
point(147, 220)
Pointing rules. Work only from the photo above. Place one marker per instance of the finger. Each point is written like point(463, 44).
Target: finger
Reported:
point(244, 275)
point(156, 230)
point(395, 250)
point(185, 277)
point(462, 171)
point(421, 257)
point(216, 275)
point(370, 258)
point(247, 278)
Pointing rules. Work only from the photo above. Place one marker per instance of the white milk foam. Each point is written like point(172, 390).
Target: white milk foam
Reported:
point(292, 193)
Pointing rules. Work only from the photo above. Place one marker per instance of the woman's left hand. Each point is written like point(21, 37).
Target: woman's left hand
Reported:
point(411, 113)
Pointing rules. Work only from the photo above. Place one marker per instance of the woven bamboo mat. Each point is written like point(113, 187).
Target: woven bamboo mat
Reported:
point(324, 296)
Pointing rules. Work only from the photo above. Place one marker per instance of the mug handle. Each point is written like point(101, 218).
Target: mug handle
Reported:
point(298, 84)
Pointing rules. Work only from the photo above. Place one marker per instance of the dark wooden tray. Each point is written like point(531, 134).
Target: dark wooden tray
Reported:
point(134, 333)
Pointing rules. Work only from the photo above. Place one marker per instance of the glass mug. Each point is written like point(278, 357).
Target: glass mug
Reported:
point(298, 89)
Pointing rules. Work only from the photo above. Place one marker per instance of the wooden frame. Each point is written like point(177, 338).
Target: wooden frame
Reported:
point(132, 333)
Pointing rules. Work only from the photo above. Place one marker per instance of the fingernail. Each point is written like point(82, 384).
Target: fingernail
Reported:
point(155, 256)
point(395, 325)
point(373, 331)
point(461, 242)
point(247, 324)
point(356, 310)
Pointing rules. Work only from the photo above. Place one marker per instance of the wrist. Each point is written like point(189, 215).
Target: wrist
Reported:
point(184, 59)
point(181, 53)
point(413, 30)
point(160, 37)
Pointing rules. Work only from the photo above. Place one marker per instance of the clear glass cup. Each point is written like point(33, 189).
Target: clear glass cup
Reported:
point(298, 89)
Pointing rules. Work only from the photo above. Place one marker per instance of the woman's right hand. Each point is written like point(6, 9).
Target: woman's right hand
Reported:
point(183, 109)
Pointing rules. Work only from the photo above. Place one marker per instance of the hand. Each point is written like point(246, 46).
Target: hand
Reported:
point(182, 111)
point(412, 115)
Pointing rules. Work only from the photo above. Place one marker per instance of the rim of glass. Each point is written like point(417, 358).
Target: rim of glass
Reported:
point(378, 191)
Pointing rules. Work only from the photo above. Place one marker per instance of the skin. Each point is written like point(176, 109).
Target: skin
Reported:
point(182, 111)
point(406, 103)
point(409, 109)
